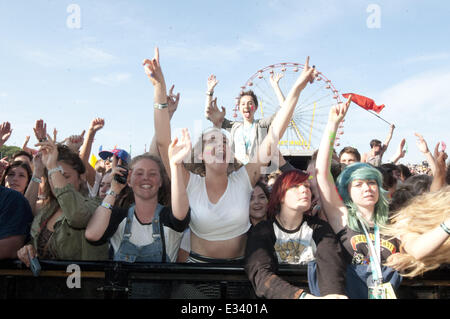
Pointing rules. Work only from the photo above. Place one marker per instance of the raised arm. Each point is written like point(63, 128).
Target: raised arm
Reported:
point(333, 205)
point(100, 219)
point(74, 205)
point(26, 148)
point(274, 82)
point(279, 124)
point(179, 149)
point(172, 102)
point(388, 138)
point(400, 152)
point(85, 151)
point(5, 132)
point(161, 113)
point(32, 191)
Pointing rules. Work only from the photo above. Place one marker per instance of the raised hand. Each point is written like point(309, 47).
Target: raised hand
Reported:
point(338, 111)
point(153, 69)
point(97, 124)
point(55, 132)
point(172, 101)
point(40, 130)
point(214, 114)
point(49, 151)
point(38, 165)
point(179, 149)
point(307, 76)
point(275, 78)
point(74, 142)
point(117, 187)
point(212, 82)
point(421, 143)
point(5, 132)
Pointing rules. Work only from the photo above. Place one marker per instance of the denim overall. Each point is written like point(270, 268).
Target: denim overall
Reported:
point(154, 252)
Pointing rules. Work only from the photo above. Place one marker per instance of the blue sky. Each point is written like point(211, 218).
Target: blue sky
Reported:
point(68, 76)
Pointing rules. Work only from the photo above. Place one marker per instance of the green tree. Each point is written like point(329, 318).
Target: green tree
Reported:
point(8, 151)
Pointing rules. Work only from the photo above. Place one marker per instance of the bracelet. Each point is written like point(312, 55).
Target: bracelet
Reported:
point(35, 179)
point(44, 139)
point(445, 228)
point(107, 205)
point(53, 170)
point(303, 295)
point(160, 106)
point(112, 193)
point(210, 93)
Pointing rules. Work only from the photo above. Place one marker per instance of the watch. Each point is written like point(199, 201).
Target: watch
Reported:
point(111, 192)
point(55, 169)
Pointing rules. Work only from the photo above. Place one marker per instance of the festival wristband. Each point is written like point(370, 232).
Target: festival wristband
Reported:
point(107, 205)
point(35, 179)
point(445, 228)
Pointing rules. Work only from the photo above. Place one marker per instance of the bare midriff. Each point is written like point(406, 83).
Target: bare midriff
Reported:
point(222, 249)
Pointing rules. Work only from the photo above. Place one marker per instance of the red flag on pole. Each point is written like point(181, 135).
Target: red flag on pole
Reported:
point(365, 102)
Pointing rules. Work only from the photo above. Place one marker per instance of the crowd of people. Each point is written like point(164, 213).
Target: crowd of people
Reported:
point(358, 222)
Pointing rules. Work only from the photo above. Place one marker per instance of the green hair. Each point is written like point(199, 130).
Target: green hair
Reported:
point(362, 171)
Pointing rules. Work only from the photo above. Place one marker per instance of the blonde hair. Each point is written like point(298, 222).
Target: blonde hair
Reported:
point(422, 214)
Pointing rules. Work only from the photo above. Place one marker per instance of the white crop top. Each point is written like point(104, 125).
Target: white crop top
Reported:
point(226, 219)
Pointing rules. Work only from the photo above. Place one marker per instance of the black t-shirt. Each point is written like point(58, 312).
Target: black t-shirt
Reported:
point(355, 244)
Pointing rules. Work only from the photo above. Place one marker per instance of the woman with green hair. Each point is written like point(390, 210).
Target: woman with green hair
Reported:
point(357, 210)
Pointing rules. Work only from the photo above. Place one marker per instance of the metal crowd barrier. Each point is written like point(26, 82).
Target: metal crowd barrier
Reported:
point(118, 280)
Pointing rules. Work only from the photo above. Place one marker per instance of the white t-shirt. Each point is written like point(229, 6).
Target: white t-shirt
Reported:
point(142, 234)
point(296, 246)
point(229, 217)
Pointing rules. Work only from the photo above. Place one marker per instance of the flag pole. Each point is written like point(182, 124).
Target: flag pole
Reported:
point(378, 116)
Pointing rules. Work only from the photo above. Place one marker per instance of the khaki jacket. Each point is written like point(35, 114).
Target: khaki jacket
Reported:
point(68, 241)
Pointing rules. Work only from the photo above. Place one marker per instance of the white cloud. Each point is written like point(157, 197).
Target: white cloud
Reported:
point(420, 94)
point(112, 79)
point(220, 52)
point(86, 56)
point(427, 58)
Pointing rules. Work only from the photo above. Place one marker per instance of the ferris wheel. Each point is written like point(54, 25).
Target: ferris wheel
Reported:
point(305, 130)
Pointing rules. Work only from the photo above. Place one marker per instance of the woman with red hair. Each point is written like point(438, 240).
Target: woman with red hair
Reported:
point(289, 236)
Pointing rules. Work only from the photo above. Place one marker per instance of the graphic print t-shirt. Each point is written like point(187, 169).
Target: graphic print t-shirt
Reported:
point(294, 246)
point(355, 244)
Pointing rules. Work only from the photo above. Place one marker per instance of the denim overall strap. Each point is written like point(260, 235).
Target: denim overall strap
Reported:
point(157, 230)
point(129, 222)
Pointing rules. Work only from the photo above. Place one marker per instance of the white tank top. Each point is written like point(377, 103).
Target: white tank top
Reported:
point(229, 217)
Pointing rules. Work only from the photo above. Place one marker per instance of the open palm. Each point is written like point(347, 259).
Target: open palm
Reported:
point(180, 148)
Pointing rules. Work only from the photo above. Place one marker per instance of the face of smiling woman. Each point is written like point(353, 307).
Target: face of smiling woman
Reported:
point(258, 204)
point(145, 179)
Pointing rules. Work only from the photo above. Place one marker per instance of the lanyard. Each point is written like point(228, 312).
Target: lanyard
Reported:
point(375, 252)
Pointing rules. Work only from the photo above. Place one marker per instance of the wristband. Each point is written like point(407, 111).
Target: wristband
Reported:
point(210, 93)
point(106, 205)
point(36, 179)
point(53, 170)
point(160, 106)
point(302, 296)
point(112, 193)
point(44, 139)
point(445, 228)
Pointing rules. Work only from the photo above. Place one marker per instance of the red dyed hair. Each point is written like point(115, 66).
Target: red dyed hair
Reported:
point(282, 184)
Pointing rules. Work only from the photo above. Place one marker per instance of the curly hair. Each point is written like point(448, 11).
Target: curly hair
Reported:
point(424, 213)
